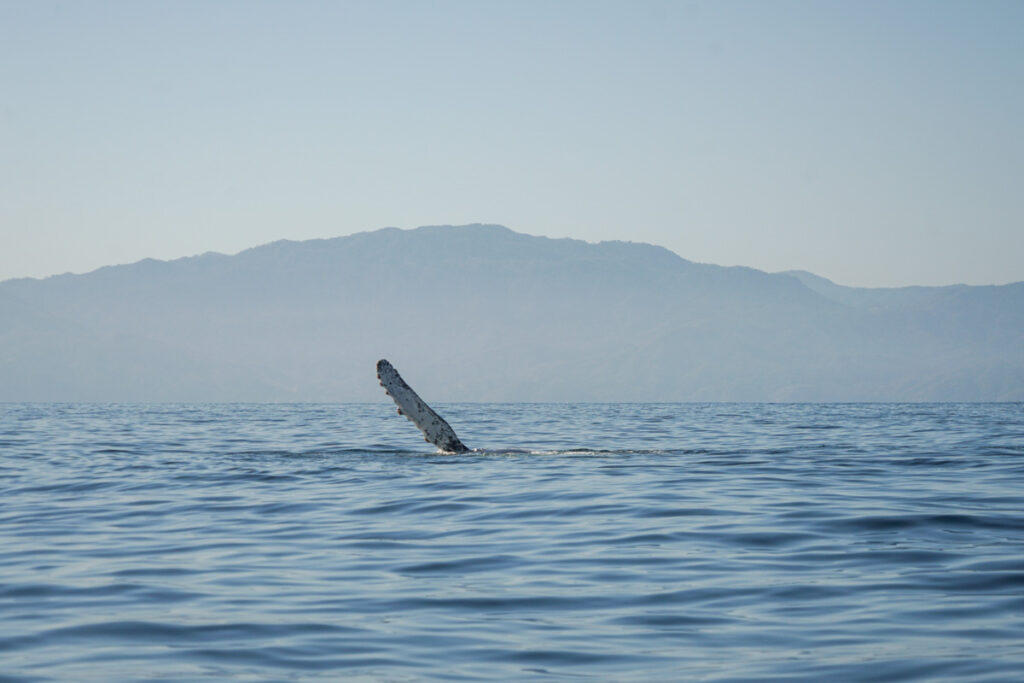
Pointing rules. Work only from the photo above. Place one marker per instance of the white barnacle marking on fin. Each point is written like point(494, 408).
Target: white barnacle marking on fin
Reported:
point(435, 429)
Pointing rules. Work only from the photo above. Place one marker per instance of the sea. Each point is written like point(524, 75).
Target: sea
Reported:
point(605, 542)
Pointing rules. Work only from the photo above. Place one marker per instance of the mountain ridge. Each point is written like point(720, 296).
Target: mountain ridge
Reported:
point(480, 312)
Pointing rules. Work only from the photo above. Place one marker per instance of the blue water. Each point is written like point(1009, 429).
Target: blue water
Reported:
point(606, 542)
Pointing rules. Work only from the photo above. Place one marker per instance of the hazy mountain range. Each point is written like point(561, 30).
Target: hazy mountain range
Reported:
point(481, 313)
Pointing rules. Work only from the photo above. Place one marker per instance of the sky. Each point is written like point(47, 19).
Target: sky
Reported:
point(876, 143)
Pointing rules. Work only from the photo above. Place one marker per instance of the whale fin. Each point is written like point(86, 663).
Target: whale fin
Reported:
point(435, 429)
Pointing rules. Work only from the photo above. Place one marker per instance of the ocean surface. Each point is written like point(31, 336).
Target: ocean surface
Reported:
point(626, 542)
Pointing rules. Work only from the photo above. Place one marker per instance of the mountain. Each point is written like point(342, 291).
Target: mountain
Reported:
point(481, 313)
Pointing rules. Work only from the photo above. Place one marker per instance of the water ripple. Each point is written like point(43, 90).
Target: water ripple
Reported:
point(636, 542)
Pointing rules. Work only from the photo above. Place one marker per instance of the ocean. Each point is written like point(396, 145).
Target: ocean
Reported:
point(625, 542)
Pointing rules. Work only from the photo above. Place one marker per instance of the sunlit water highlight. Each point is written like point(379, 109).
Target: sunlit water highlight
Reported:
point(606, 542)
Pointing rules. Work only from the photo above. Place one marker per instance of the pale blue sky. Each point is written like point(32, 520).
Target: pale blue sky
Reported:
point(874, 143)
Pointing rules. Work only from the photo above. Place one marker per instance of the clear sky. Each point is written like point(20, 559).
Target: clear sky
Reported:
point(874, 143)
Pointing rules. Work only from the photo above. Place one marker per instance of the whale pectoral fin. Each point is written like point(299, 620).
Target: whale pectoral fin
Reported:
point(435, 429)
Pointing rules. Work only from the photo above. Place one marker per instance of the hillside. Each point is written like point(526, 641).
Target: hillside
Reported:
point(481, 313)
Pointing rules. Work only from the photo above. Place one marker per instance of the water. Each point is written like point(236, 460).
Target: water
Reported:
point(604, 542)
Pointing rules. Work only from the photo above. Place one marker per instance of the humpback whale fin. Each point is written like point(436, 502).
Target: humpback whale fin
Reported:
point(434, 428)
